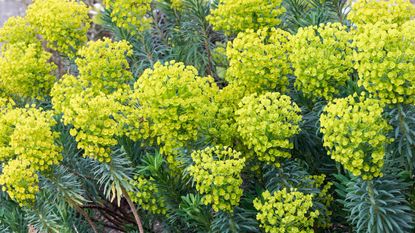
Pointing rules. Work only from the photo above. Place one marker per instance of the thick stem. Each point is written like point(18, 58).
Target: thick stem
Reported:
point(371, 193)
point(104, 209)
point(134, 210)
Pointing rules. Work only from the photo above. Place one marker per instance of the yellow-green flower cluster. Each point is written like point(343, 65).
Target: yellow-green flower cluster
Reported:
point(93, 102)
point(176, 103)
point(62, 23)
point(130, 14)
point(267, 123)
point(6, 104)
point(93, 116)
point(217, 173)
point(319, 182)
point(177, 4)
point(96, 124)
point(324, 197)
point(286, 211)
point(354, 134)
point(26, 134)
point(322, 59)
point(387, 11)
point(25, 70)
point(20, 181)
point(27, 146)
point(33, 140)
point(258, 60)
point(224, 130)
point(103, 65)
point(233, 16)
point(146, 196)
point(17, 30)
point(385, 61)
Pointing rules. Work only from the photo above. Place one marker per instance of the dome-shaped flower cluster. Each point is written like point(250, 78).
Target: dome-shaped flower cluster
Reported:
point(355, 134)
point(26, 134)
point(146, 196)
point(96, 123)
point(385, 61)
point(27, 146)
point(93, 103)
point(20, 181)
point(176, 103)
point(217, 174)
point(17, 30)
point(258, 60)
point(130, 15)
point(25, 68)
point(387, 11)
point(233, 16)
point(267, 123)
point(25, 71)
point(94, 116)
point(62, 23)
point(109, 74)
point(322, 59)
point(286, 211)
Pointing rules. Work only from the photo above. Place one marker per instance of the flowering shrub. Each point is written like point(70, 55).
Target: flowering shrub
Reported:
point(355, 134)
point(286, 211)
point(208, 116)
point(234, 16)
point(217, 175)
point(321, 58)
point(266, 124)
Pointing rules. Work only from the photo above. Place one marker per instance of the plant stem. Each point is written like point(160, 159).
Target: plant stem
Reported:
point(134, 210)
point(86, 216)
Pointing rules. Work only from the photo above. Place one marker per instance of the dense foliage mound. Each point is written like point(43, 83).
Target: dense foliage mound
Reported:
point(208, 116)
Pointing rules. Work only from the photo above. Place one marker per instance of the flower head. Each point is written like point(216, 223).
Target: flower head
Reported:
point(233, 16)
point(216, 172)
point(355, 134)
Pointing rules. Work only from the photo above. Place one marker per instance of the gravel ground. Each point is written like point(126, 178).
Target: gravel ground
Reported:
point(10, 8)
